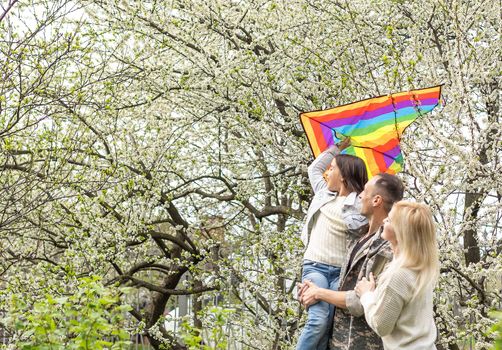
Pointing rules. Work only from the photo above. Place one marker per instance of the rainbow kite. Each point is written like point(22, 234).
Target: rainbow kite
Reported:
point(374, 125)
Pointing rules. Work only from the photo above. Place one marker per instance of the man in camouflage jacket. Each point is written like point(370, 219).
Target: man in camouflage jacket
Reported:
point(350, 330)
point(371, 253)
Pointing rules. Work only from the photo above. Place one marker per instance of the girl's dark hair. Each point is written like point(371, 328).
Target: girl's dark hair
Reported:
point(353, 171)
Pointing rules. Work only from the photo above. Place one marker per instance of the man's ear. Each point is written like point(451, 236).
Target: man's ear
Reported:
point(377, 200)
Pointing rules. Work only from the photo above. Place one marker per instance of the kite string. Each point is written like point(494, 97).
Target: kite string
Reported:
point(416, 104)
point(394, 108)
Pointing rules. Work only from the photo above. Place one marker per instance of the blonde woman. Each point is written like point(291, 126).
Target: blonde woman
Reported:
point(400, 308)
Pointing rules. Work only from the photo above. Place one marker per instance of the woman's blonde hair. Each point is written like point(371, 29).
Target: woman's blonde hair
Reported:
point(416, 243)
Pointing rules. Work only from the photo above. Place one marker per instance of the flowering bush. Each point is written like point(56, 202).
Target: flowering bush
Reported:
point(89, 318)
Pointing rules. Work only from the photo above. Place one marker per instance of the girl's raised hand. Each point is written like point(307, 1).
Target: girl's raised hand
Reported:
point(343, 144)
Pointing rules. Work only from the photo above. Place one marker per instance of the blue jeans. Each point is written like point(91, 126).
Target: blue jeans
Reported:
point(317, 330)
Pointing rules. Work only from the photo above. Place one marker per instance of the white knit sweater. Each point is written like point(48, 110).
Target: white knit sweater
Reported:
point(402, 322)
point(328, 240)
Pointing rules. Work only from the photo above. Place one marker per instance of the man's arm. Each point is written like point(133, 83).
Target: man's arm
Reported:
point(310, 294)
point(336, 298)
point(353, 303)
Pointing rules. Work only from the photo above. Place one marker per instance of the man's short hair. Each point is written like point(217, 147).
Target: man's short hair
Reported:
point(390, 188)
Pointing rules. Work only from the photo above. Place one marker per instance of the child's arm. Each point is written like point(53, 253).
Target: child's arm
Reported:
point(319, 166)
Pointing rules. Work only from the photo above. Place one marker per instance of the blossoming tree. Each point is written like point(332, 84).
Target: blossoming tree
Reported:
point(147, 141)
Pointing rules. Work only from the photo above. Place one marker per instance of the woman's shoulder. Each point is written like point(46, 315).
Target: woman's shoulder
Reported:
point(403, 281)
point(404, 274)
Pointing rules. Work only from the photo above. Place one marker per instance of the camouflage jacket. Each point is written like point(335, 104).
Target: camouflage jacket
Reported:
point(350, 330)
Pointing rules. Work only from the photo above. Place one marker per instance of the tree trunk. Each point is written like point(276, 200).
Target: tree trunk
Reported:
point(471, 246)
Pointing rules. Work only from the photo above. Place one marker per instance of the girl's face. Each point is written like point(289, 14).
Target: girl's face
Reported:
point(388, 231)
point(334, 177)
